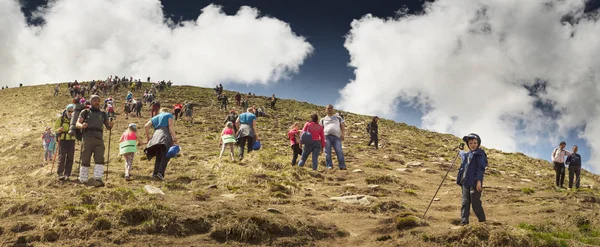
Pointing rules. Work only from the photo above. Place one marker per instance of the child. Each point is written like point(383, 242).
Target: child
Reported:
point(227, 139)
point(294, 136)
point(48, 142)
point(128, 146)
point(470, 177)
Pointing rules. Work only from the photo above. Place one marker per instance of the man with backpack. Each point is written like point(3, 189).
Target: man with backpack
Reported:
point(335, 131)
point(224, 101)
point(66, 143)
point(558, 158)
point(373, 130)
point(91, 122)
point(232, 117)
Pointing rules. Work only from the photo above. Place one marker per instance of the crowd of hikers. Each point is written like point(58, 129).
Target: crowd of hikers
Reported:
point(85, 120)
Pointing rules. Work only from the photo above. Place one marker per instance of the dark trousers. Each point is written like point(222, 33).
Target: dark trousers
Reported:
point(245, 141)
point(297, 151)
point(66, 151)
point(273, 105)
point(574, 170)
point(138, 112)
point(375, 139)
point(161, 161)
point(471, 197)
point(55, 93)
point(177, 113)
point(559, 168)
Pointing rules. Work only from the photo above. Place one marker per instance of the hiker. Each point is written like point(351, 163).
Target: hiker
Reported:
point(294, 137)
point(227, 139)
point(335, 131)
point(20, 84)
point(238, 99)
point(470, 178)
point(66, 143)
point(127, 108)
point(48, 138)
point(315, 145)
point(373, 130)
point(154, 107)
point(128, 146)
point(177, 110)
point(163, 138)
point(188, 109)
point(245, 103)
point(574, 163)
point(110, 109)
point(129, 96)
point(273, 100)
point(260, 112)
point(232, 117)
point(558, 158)
point(138, 108)
point(56, 90)
point(224, 101)
point(247, 130)
point(148, 79)
point(91, 122)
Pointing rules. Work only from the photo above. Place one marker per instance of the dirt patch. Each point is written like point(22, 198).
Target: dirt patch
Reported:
point(135, 216)
point(22, 227)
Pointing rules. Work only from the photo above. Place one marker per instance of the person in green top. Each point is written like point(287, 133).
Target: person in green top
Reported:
point(66, 143)
point(245, 103)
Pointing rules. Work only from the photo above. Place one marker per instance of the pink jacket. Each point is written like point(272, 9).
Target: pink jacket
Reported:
point(317, 132)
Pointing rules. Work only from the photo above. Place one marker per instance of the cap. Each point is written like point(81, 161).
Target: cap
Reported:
point(132, 126)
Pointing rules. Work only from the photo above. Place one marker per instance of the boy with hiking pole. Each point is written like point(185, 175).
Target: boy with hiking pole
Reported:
point(470, 178)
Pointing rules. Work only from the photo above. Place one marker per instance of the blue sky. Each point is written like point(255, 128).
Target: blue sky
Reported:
point(325, 72)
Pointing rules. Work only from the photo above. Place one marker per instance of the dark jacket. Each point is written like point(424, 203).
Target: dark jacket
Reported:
point(574, 160)
point(373, 128)
point(472, 168)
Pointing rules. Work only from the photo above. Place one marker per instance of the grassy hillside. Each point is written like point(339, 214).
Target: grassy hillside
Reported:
point(264, 201)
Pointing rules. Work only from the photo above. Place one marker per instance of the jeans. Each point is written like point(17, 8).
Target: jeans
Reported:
point(315, 149)
point(374, 138)
point(574, 170)
point(336, 142)
point(297, 151)
point(471, 197)
point(245, 141)
point(559, 168)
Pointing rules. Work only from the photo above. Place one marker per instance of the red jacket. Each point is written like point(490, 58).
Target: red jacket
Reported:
point(317, 132)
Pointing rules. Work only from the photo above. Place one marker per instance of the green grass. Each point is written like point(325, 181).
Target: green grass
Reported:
point(410, 192)
point(527, 191)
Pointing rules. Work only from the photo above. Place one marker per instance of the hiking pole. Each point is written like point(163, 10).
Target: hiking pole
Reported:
point(108, 160)
point(460, 147)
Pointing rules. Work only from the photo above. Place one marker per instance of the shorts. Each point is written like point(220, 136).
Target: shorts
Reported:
point(189, 113)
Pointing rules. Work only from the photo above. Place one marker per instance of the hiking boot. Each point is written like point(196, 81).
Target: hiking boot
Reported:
point(160, 177)
point(97, 183)
point(61, 178)
point(128, 178)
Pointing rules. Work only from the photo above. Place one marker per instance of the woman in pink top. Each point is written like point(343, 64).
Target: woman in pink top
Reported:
point(317, 144)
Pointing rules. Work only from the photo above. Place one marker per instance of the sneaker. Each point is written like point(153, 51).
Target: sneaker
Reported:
point(61, 178)
point(160, 177)
point(127, 177)
point(98, 183)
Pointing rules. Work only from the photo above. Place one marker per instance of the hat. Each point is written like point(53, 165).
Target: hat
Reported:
point(94, 97)
point(232, 111)
point(472, 136)
point(132, 126)
point(70, 107)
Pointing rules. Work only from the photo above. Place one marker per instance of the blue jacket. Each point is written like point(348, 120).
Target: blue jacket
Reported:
point(473, 171)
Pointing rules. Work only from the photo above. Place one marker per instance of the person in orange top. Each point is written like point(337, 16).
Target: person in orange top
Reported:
point(178, 112)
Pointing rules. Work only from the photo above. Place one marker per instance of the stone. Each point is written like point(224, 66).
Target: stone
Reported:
point(453, 178)
point(229, 196)
point(349, 185)
point(354, 199)
point(153, 190)
point(456, 227)
point(436, 199)
point(526, 180)
point(414, 164)
point(357, 171)
point(372, 186)
point(427, 170)
point(273, 210)
point(503, 172)
point(404, 170)
point(386, 156)
point(212, 186)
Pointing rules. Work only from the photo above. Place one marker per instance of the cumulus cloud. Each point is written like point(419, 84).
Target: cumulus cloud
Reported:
point(93, 39)
point(519, 73)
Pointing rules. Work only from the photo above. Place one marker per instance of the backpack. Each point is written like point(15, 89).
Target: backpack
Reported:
point(306, 137)
point(369, 128)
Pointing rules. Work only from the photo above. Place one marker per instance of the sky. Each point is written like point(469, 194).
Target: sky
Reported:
point(524, 75)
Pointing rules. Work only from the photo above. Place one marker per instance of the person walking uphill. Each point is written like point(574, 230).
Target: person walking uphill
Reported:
point(470, 178)
point(91, 122)
point(66, 143)
point(48, 139)
point(373, 130)
point(128, 146)
point(246, 124)
point(294, 136)
point(315, 145)
point(335, 131)
point(232, 117)
point(574, 162)
point(163, 138)
point(558, 158)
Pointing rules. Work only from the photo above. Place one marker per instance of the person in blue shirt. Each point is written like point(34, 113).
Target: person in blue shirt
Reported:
point(247, 131)
point(574, 163)
point(470, 178)
point(163, 138)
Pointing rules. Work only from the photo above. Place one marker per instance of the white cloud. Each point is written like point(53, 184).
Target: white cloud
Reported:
point(465, 64)
point(93, 39)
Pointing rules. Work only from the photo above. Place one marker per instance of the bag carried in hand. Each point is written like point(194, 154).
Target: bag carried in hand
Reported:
point(173, 151)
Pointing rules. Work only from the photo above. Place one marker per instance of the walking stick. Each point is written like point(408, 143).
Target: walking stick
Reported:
point(108, 160)
point(438, 189)
point(55, 152)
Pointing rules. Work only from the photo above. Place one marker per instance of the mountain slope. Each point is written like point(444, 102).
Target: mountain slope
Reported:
point(209, 202)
